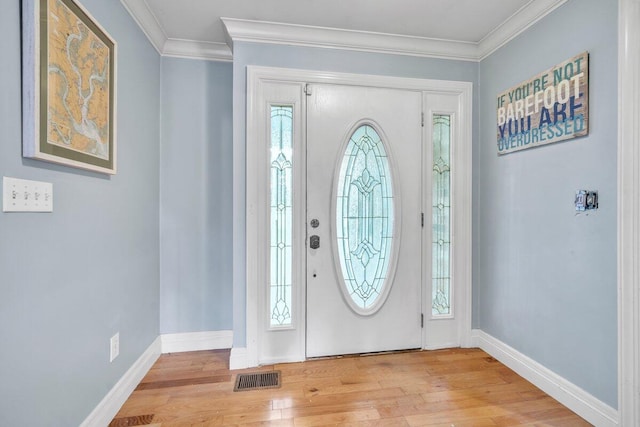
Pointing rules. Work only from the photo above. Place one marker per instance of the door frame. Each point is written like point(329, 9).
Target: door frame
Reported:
point(628, 213)
point(256, 212)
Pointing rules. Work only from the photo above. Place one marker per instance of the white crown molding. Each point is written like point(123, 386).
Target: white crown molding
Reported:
point(197, 50)
point(302, 35)
point(147, 21)
point(334, 38)
point(194, 49)
point(516, 24)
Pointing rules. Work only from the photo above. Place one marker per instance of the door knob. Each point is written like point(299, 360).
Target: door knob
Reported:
point(314, 242)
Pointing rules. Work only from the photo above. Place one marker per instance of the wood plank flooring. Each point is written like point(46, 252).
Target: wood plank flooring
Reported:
point(444, 388)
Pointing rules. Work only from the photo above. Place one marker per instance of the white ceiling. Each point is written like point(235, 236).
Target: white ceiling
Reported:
point(195, 28)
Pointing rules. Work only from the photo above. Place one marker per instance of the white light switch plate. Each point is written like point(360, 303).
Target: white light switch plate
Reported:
point(21, 195)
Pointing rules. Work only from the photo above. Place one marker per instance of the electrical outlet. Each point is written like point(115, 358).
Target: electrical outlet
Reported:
point(114, 347)
point(586, 200)
point(22, 195)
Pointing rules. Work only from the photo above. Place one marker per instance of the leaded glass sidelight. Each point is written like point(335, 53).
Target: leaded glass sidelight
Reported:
point(364, 218)
point(281, 213)
point(441, 211)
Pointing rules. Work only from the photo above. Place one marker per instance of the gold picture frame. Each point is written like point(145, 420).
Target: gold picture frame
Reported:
point(69, 86)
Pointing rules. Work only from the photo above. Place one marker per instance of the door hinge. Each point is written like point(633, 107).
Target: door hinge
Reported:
point(307, 89)
point(422, 119)
point(422, 219)
point(421, 320)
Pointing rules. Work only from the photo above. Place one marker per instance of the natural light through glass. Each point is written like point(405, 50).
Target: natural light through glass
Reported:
point(364, 217)
point(441, 211)
point(281, 213)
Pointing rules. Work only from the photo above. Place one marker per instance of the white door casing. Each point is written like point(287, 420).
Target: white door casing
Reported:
point(267, 345)
point(628, 213)
point(335, 324)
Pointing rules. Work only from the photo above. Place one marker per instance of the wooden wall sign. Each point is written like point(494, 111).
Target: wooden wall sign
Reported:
point(550, 107)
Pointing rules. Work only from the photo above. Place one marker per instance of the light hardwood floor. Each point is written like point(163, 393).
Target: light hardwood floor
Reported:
point(458, 387)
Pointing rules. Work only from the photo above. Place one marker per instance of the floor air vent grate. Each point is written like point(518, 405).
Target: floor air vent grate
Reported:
point(257, 381)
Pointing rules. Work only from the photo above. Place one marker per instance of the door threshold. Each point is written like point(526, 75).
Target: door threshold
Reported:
point(373, 353)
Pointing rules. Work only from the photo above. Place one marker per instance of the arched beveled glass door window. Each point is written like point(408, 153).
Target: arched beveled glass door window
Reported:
point(365, 220)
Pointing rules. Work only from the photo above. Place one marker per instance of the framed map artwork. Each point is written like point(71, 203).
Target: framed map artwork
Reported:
point(69, 86)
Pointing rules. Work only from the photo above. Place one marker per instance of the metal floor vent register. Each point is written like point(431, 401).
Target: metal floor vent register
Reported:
point(257, 381)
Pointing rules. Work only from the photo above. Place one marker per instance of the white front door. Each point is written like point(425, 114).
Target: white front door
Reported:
point(364, 192)
point(352, 154)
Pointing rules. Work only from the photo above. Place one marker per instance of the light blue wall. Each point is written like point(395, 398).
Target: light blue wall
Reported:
point(546, 277)
point(71, 279)
point(196, 196)
point(311, 59)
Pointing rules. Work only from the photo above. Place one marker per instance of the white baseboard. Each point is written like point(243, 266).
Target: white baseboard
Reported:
point(109, 406)
point(238, 358)
point(167, 343)
point(573, 397)
point(196, 341)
